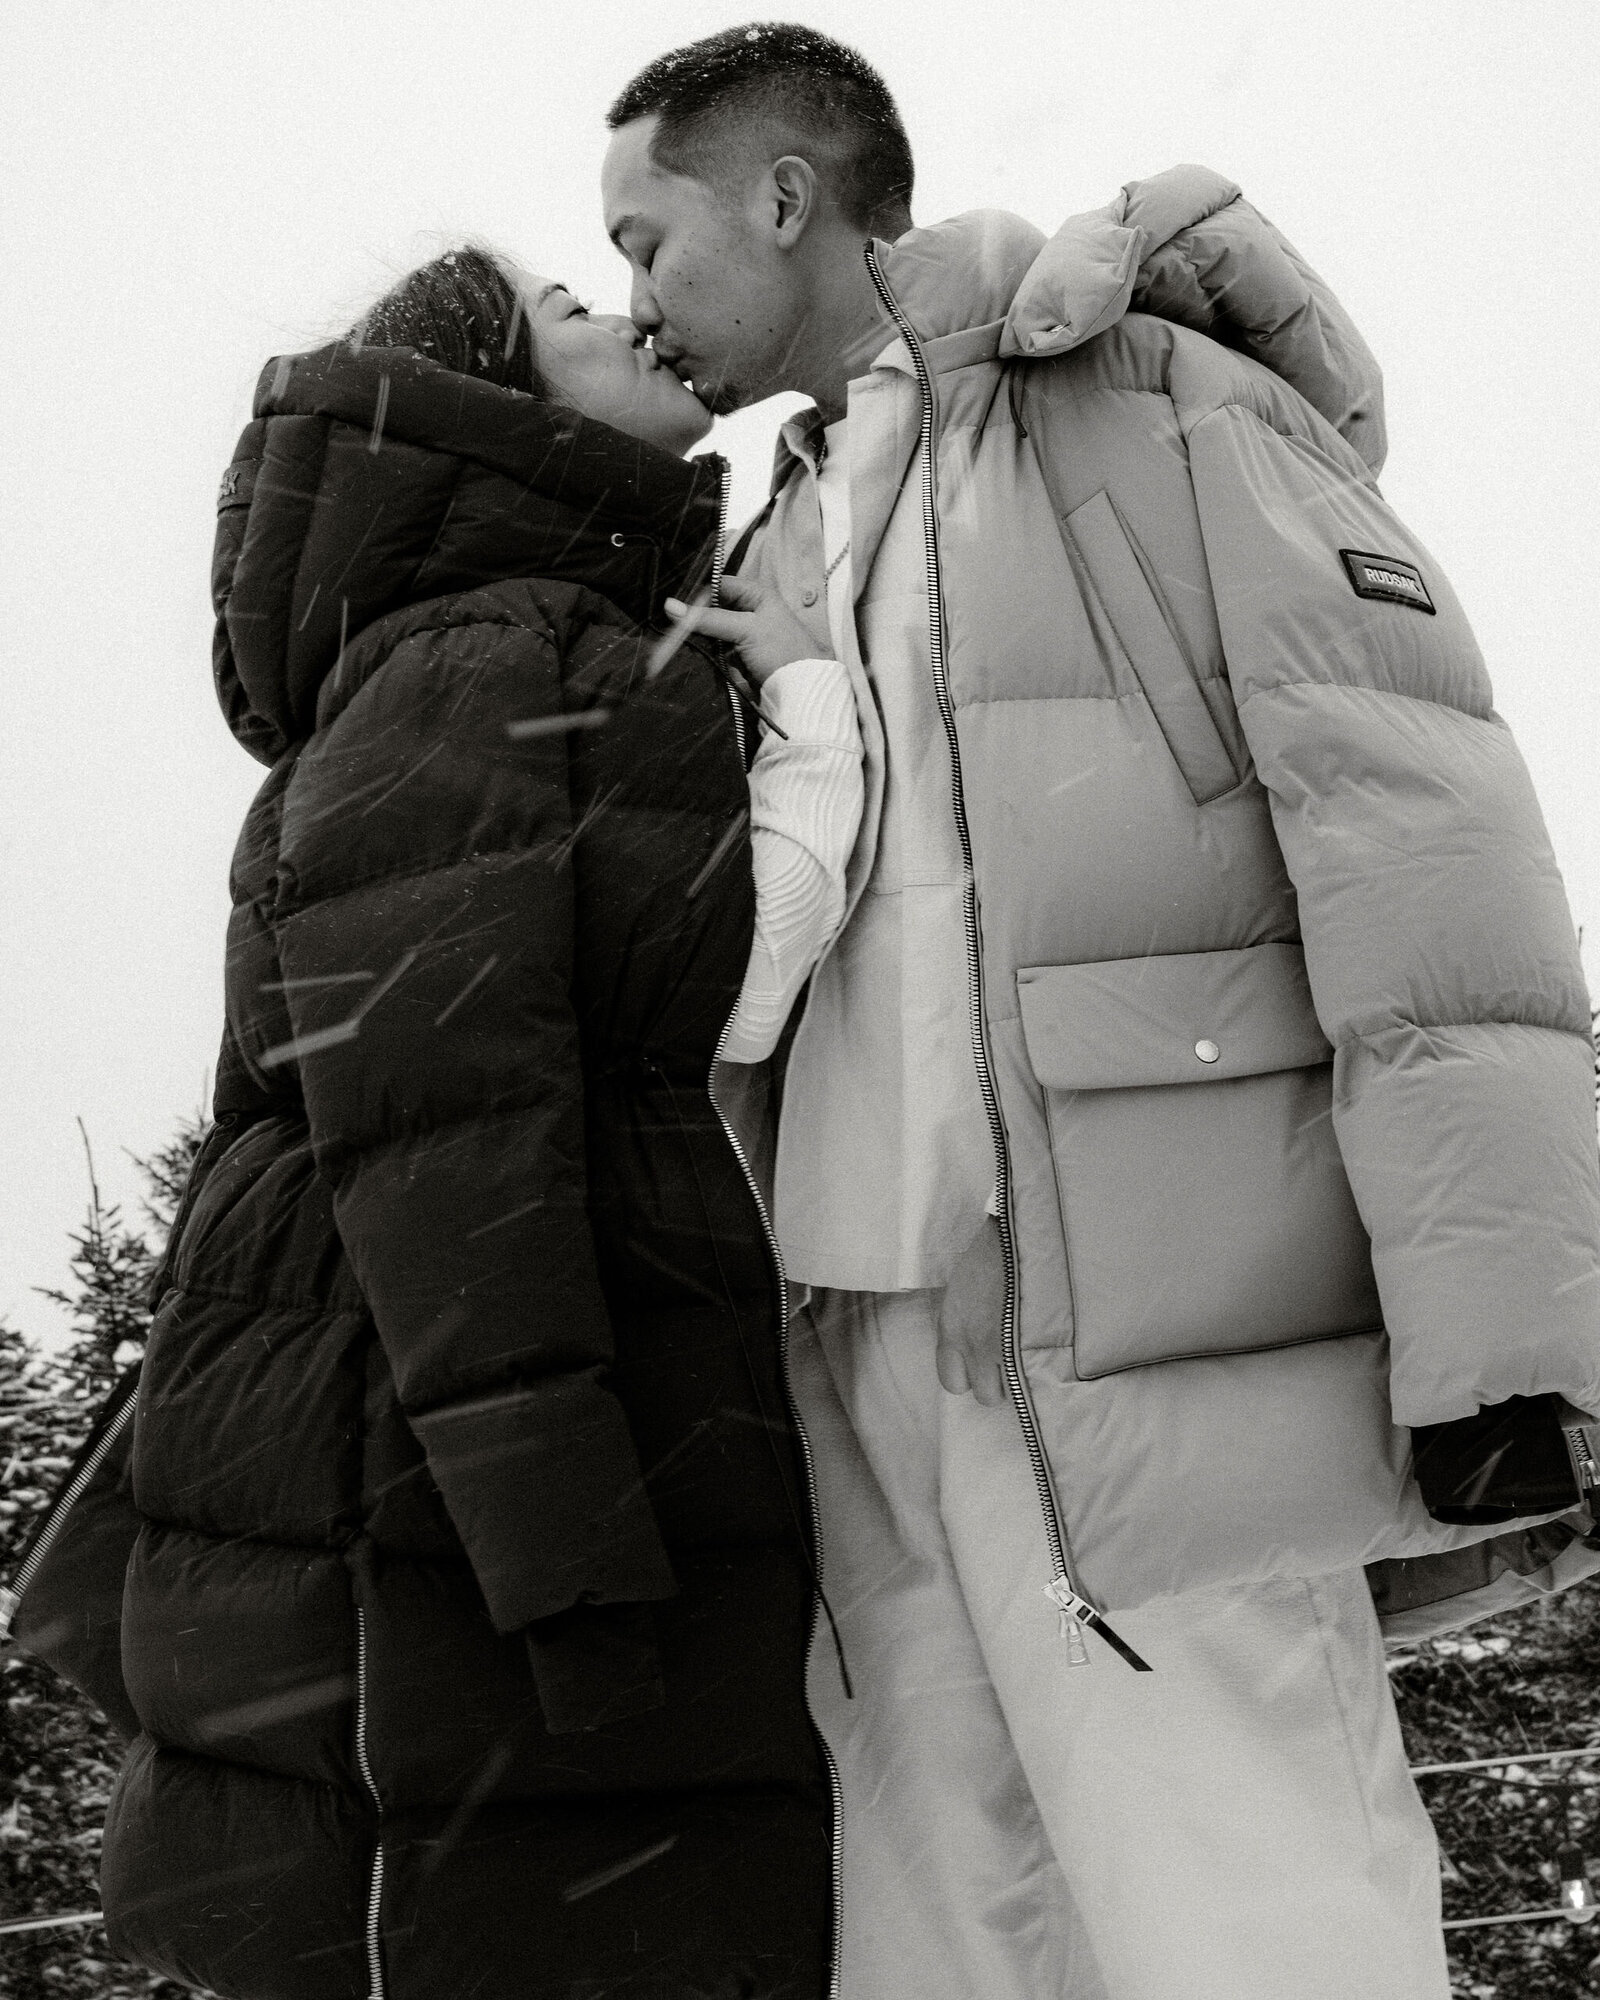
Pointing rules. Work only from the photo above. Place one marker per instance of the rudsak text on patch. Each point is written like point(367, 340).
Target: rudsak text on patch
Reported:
point(1387, 578)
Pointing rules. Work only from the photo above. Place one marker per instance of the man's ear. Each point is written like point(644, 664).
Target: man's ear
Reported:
point(796, 196)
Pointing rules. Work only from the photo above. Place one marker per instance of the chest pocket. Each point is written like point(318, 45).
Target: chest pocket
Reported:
point(1153, 655)
point(1203, 1196)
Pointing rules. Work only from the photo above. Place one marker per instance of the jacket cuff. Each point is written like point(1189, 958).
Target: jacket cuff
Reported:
point(1508, 1461)
point(543, 1485)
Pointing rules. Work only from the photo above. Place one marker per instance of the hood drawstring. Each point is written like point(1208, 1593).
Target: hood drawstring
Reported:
point(1014, 395)
point(767, 1426)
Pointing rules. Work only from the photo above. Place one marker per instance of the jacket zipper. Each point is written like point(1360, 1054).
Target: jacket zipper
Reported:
point(719, 553)
point(375, 1989)
point(1063, 1590)
point(775, 1255)
point(1582, 1458)
point(93, 1455)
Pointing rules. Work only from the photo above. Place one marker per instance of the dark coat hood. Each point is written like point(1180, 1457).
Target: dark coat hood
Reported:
point(373, 479)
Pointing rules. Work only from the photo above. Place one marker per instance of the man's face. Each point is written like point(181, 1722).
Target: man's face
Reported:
point(714, 294)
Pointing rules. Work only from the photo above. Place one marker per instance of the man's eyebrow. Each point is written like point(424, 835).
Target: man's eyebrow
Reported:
point(615, 234)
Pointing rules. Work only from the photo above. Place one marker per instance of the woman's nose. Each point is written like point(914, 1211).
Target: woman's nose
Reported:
point(621, 326)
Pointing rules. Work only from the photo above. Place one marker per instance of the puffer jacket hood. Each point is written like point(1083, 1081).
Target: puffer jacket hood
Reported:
point(467, 1652)
point(373, 478)
point(1184, 246)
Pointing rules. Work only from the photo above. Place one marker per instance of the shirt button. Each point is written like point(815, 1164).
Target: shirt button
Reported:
point(1207, 1050)
point(808, 598)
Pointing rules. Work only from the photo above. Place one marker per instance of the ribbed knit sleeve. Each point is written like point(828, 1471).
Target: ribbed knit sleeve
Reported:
point(806, 796)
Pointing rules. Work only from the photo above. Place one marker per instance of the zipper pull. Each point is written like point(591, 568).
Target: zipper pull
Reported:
point(1076, 1612)
point(1067, 1602)
point(9, 1600)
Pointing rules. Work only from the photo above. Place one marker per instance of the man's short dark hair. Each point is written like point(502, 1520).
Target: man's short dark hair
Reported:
point(776, 82)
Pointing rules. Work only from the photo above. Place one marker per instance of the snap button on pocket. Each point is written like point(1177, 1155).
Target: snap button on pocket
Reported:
point(1207, 1050)
point(808, 597)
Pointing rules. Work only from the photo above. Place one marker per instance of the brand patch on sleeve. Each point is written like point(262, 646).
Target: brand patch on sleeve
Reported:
point(238, 483)
point(1388, 578)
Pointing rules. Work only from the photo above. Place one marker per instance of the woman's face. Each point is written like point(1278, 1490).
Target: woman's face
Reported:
point(599, 365)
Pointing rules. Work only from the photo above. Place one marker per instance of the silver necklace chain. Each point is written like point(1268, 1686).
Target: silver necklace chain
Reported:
point(821, 463)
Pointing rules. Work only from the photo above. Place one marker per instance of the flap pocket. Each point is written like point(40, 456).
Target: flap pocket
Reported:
point(1179, 1017)
point(1203, 1198)
point(1157, 660)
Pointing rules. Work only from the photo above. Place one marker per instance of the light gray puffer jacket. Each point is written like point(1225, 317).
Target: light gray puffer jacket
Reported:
point(1283, 1028)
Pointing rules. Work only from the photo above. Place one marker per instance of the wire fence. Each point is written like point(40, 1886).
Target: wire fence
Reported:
point(1577, 1905)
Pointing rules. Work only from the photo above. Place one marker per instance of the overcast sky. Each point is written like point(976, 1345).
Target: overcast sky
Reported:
point(191, 188)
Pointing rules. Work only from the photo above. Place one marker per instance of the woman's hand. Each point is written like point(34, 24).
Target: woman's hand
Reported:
point(757, 621)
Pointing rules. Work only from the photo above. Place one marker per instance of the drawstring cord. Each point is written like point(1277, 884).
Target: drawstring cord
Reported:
point(767, 1426)
point(1014, 396)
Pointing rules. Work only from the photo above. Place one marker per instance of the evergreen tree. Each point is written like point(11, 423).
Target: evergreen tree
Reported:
point(58, 1757)
point(112, 1264)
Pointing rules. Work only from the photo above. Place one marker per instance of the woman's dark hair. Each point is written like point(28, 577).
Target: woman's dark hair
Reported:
point(463, 312)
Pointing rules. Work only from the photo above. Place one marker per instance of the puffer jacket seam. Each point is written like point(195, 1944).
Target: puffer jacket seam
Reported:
point(1067, 393)
point(1187, 252)
point(1202, 271)
point(1190, 418)
point(480, 855)
point(1132, 694)
point(231, 1538)
point(475, 859)
point(330, 1785)
point(505, 623)
point(293, 593)
point(1489, 721)
point(543, 624)
point(265, 1300)
point(1360, 1038)
point(443, 521)
point(543, 627)
point(359, 676)
point(478, 1114)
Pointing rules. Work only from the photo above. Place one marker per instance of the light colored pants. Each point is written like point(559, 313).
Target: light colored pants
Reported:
point(1238, 1824)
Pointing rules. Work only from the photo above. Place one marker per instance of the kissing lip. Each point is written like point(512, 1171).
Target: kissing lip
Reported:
point(681, 363)
point(677, 360)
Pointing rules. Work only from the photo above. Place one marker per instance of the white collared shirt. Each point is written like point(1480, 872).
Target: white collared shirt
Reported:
point(884, 1156)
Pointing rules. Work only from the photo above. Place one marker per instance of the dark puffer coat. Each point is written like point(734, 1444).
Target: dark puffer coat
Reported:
point(466, 1621)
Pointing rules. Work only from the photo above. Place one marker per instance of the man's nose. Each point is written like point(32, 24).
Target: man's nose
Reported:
point(647, 315)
